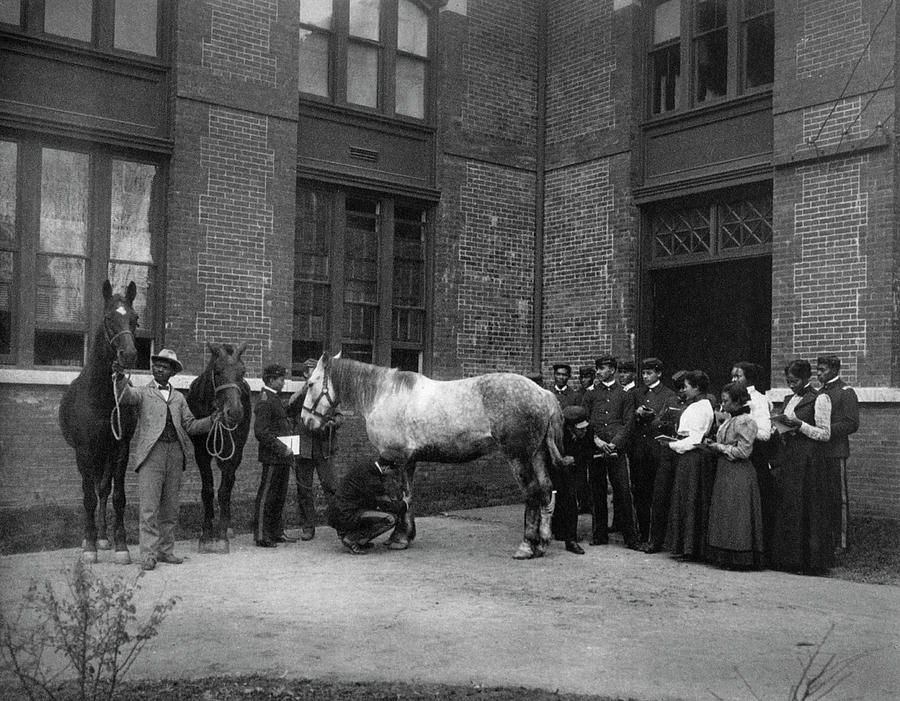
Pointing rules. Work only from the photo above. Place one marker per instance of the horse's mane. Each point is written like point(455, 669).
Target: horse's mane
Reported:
point(357, 383)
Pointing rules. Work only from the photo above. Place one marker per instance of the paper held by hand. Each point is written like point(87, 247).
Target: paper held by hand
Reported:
point(292, 442)
point(667, 439)
point(779, 425)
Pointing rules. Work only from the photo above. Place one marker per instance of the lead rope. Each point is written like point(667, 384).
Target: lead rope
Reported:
point(115, 416)
point(215, 441)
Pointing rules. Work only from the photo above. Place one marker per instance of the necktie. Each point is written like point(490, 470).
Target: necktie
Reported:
point(163, 388)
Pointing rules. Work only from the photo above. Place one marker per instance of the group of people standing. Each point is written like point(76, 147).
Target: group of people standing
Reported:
point(716, 478)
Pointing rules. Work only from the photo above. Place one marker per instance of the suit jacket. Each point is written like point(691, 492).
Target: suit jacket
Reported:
point(272, 421)
point(664, 403)
point(152, 408)
point(844, 417)
point(610, 412)
point(566, 397)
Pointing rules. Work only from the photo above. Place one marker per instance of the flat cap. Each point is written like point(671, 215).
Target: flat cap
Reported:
point(576, 416)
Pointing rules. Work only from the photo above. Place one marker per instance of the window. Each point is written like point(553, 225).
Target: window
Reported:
point(372, 304)
point(123, 25)
point(371, 54)
point(729, 46)
point(97, 217)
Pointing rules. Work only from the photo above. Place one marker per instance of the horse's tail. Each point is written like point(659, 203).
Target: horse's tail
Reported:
point(553, 439)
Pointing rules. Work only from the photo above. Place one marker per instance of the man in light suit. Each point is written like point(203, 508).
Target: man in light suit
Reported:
point(160, 445)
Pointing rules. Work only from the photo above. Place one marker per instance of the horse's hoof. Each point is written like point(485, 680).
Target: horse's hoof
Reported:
point(398, 544)
point(229, 534)
point(122, 557)
point(103, 544)
point(524, 552)
point(89, 557)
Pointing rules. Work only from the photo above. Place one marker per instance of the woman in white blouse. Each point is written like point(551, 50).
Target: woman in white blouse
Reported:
point(686, 532)
point(800, 538)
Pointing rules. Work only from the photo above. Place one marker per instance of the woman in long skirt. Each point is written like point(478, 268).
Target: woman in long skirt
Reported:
point(686, 531)
point(801, 539)
point(735, 534)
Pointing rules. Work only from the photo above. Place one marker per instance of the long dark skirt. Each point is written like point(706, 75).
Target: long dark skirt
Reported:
point(689, 509)
point(801, 536)
point(735, 528)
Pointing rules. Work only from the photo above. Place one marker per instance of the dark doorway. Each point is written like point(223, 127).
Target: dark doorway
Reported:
point(705, 317)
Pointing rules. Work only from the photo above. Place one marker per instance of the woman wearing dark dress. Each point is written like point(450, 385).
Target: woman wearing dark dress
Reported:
point(734, 531)
point(686, 532)
point(800, 537)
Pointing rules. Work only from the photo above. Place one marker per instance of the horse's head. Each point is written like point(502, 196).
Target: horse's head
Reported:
point(120, 322)
point(226, 372)
point(321, 400)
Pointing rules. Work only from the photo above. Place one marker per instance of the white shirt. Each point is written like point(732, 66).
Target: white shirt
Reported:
point(694, 423)
point(822, 430)
point(760, 412)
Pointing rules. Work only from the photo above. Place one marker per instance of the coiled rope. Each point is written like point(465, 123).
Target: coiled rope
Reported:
point(215, 440)
point(115, 416)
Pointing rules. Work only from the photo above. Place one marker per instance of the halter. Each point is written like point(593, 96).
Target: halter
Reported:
point(115, 416)
point(324, 394)
point(215, 439)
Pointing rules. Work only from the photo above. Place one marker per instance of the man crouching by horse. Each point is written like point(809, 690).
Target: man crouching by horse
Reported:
point(161, 438)
point(362, 509)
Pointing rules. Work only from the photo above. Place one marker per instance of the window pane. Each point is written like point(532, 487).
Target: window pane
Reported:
point(667, 21)
point(6, 283)
point(60, 290)
point(8, 154)
point(757, 7)
point(666, 88)
point(120, 274)
point(410, 88)
point(314, 63)
point(58, 348)
point(136, 26)
point(68, 18)
point(64, 193)
point(364, 18)
point(412, 28)
point(357, 351)
point(406, 359)
point(712, 65)
point(316, 12)
point(710, 14)
point(11, 11)
point(132, 199)
point(759, 45)
point(362, 75)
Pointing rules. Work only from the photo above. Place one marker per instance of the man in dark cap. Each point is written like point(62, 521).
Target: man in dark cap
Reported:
point(627, 374)
point(272, 420)
point(586, 376)
point(576, 445)
point(653, 401)
point(610, 412)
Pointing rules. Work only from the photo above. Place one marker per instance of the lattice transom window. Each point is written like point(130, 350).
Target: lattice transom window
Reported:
point(746, 223)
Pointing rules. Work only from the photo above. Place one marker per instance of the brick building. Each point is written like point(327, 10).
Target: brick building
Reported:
point(451, 186)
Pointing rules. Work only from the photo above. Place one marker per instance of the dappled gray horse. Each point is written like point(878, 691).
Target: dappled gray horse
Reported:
point(410, 417)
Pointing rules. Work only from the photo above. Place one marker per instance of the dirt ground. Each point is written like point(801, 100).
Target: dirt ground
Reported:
point(455, 608)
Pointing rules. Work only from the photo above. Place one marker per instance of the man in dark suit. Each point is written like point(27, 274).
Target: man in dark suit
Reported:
point(565, 395)
point(844, 421)
point(651, 469)
point(610, 411)
point(276, 457)
point(586, 376)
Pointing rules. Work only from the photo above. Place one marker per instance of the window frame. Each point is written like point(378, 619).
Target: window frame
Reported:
point(31, 22)
point(386, 45)
point(23, 299)
point(686, 98)
point(383, 342)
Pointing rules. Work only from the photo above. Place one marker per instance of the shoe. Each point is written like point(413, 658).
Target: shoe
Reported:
point(356, 548)
point(600, 541)
point(149, 563)
point(169, 559)
point(307, 534)
point(574, 547)
point(284, 538)
point(265, 544)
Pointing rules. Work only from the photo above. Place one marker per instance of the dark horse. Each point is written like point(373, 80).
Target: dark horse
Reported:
point(221, 385)
point(93, 425)
point(410, 417)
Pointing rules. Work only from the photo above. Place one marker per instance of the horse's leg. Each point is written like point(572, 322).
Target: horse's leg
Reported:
point(103, 490)
point(405, 529)
point(542, 478)
point(121, 555)
point(530, 546)
point(207, 494)
point(228, 470)
point(89, 495)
